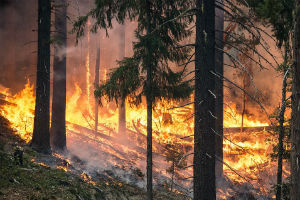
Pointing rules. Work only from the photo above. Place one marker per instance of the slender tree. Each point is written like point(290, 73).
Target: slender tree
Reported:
point(41, 135)
point(96, 83)
point(295, 134)
point(281, 123)
point(58, 122)
point(279, 14)
point(158, 35)
point(219, 20)
point(122, 108)
point(205, 102)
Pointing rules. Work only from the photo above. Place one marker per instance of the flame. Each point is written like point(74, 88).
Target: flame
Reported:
point(20, 111)
point(63, 168)
point(87, 178)
point(246, 153)
point(232, 119)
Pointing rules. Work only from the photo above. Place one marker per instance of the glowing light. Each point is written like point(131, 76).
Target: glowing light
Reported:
point(20, 111)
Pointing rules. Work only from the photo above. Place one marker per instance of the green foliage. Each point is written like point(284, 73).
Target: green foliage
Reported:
point(286, 137)
point(285, 189)
point(124, 81)
point(277, 13)
point(155, 50)
point(174, 153)
point(32, 181)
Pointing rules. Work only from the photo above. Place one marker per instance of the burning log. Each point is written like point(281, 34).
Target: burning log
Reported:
point(3, 100)
point(247, 129)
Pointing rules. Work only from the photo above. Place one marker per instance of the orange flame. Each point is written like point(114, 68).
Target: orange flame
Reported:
point(20, 111)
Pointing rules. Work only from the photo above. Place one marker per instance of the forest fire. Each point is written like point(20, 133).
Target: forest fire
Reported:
point(247, 153)
point(19, 110)
point(191, 99)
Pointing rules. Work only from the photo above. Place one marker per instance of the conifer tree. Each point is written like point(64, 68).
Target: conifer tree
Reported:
point(205, 102)
point(279, 14)
point(41, 136)
point(158, 35)
point(58, 122)
point(295, 133)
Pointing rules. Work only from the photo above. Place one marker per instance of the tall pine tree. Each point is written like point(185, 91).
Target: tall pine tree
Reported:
point(58, 122)
point(295, 133)
point(158, 35)
point(205, 102)
point(41, 136)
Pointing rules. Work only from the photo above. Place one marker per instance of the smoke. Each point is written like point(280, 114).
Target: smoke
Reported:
point(262, 84)
point(18, 41)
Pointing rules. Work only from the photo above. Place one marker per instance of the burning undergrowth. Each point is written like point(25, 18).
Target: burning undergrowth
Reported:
point(247, 162)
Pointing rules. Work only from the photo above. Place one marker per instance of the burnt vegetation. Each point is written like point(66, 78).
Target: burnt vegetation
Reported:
point(148, 99)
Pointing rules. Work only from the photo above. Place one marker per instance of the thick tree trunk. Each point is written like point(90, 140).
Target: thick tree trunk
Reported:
point(97, 70)
point(58, 122)
point(149, 105)
point(219, 20)
point(295, 133)
point(41, 134)
point(205, 102)
point(122, 110)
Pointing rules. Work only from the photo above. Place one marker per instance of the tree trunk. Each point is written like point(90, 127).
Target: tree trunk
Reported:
point(173, 173)
point(58, 122)
point(244, 100)
point(149, 104)
point(122, 111)
point(205, 82)
point(41, 134)
point(295, 133)
point(97, 69)
point(219, 20)
point(281, 130)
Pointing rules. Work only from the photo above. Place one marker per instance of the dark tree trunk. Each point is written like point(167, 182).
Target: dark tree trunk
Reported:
point(58, 122)
point(41, 134)
point(205, 82)
point(122, 110)
point(149, 104)
point(295, 133)
point(219, 20)
point(281, 130)
point(97, 70)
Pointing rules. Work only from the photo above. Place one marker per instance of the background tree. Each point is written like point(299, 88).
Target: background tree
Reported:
point(58, 122)
point(41, 136)
point(174, 153)
point(96, 83)
point(279, 14)
point(122, 108)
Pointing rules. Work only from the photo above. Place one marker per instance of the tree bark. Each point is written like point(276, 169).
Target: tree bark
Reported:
point(97, 70)
point(149, 101)
point(219, 20)
point(295, 133)
point(41, 134)
point(122, 110)
point(205, 102)
point(58, 122)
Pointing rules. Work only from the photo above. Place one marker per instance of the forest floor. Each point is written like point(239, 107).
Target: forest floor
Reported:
point(36, 180)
